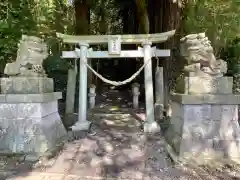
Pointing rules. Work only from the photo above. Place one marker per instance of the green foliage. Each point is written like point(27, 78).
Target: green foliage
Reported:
point(104, 17)
point(15, 19)
point(31, 17)
point(57, 68)
point(56, 63)
point(231, 54)
point(219, 19)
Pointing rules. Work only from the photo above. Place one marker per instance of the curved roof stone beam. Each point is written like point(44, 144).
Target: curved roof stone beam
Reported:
point(125, 38)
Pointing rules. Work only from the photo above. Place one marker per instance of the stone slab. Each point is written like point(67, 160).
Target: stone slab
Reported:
point(177, 124)
point(26, 85)
point(31, 135)
point(230, 148)
point(227, 99)
point(192, 148)
point(30, 98)
point(207, 121)
point(205, 85)
point(187, 151)
point(194, 127)
point(27, 110)
point(206, 150)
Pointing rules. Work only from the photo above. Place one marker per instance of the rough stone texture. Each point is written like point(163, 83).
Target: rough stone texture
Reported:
point(202, 131)
point(27, 110)
point(204, 122)
point(26, 85)
point(197, 50)
point(29, 118)
point(31, 53)
point(30, 127)
point(205, 85)
point(228, 99)
point(31, 136)
point(30, 98)
point(109, 154)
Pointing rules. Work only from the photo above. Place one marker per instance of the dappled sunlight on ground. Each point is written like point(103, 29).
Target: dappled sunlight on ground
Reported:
point(112, 154)
point(116, 148)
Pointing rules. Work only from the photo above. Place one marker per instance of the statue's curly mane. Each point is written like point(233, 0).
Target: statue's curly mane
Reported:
point(31, 53)
point(197, 49)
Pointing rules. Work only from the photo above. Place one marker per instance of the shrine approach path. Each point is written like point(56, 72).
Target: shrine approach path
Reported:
point(116, 148)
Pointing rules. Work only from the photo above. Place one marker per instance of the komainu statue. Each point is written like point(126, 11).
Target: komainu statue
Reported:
point(31, 53)
point(197, 50)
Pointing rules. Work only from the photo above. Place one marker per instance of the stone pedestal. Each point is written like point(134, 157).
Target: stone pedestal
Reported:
point(29, 120)
point(26, 85)
point(204, 123)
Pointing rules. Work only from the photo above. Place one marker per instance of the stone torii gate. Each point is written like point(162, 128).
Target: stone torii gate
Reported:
point(114, 51)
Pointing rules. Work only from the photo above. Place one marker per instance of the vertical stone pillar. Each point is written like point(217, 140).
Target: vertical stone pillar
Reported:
point(159, 91)
point(82, 123)
point(150, 124)
point(135, 91)
point(92, 95)
point(71, 86)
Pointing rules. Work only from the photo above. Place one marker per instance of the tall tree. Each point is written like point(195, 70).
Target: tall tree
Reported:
point(82, 16)
point(219, 19)
point(143, 17)
point(128, 13)
point(156, 16)
point(166, 15)
point(16, 18)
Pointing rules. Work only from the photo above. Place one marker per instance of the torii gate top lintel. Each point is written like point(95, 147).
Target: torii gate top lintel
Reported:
point(125, 39)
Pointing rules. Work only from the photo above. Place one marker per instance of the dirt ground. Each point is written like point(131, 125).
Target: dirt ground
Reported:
point(116, 148)
point(107, 153)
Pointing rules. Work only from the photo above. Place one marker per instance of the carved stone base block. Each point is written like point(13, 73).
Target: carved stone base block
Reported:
point(205, 85)
point(204, 128)
point(30, 126)
point(26, 85)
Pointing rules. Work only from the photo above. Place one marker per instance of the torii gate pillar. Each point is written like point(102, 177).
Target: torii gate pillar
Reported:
point(150, 125)
point(82, 123)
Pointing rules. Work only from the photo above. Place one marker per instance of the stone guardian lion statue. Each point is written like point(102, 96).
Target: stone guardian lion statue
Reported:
point(197, 50)
point(31, 53)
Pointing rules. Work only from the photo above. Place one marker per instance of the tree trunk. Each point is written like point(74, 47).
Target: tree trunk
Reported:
point(165, 16)
point(59, 8)
point(143, 17)
point(82, 18)
point(130, 26)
